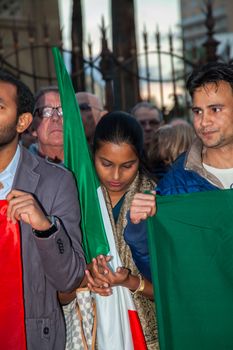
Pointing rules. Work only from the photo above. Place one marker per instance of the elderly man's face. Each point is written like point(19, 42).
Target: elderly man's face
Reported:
point(149, 120)
point(50, 129)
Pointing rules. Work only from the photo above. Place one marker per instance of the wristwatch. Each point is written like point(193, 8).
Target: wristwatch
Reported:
point(51, 230)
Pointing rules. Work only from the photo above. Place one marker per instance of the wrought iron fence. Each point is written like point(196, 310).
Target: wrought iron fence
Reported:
point(159, 69)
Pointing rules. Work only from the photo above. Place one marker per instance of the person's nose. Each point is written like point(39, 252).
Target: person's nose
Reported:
point(55, 116)
point(116, 173)
point(147, 126)
point(206, 119)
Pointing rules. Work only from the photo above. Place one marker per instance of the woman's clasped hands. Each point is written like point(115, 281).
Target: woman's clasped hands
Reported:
point(101, 278)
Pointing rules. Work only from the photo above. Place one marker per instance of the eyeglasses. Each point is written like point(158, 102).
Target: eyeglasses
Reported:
point(87, 107)
point(48, 112)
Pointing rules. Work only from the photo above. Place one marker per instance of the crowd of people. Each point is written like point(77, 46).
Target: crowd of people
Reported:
point(135, 155)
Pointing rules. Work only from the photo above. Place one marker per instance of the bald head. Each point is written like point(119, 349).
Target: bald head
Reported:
point(93, 102)
point(91, 111)
point(150, 118)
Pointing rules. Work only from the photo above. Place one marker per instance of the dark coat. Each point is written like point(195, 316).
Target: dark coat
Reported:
point(179, 180)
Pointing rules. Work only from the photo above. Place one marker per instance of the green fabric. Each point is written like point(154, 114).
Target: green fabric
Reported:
point(78, 160)
point(191, 252)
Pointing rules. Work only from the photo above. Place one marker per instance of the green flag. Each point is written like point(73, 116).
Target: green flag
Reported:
point(191, 252)
point(78, 159)
point(118, 322)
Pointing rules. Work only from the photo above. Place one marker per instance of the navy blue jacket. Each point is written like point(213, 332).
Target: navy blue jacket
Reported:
point(179, 180)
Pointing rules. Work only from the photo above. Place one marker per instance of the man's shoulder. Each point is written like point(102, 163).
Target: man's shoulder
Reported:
point(42, 165)
point(174, 175)
point(179, 180)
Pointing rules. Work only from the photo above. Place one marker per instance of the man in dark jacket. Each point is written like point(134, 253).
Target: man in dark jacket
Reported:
point(43, 199)
point(208, 165)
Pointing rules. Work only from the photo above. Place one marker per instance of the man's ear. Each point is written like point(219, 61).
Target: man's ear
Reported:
point(24, 121)
point(34, 133)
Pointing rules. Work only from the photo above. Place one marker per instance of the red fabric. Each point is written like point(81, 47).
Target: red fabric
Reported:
point(12, 324)
point(136, 330)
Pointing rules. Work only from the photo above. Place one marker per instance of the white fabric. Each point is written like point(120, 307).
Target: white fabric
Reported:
point(224, 175)
point(113, 328)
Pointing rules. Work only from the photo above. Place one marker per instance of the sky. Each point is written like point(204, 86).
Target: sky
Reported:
point(149, 14)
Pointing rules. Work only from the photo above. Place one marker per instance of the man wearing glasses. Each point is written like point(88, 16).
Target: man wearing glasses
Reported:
point(48, 124)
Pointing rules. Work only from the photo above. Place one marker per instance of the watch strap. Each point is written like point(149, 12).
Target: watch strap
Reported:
point(50, 231)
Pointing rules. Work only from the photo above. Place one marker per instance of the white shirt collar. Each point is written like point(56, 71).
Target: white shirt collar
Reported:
point(8, 174)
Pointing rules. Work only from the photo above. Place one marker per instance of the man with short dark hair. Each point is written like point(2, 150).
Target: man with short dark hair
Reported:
point(150, 117)
point(43, 199)
point(208, 165)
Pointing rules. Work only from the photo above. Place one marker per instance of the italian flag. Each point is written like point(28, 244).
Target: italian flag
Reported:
point(192, 269)
point(118, 325)
point(12, 323)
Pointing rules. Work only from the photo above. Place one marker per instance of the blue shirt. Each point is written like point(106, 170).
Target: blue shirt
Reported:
point(8, 174)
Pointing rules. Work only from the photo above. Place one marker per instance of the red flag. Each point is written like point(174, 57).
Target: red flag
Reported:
point(12, 323)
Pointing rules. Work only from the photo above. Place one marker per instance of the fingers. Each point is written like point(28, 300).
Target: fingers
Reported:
point(144, 203)
point(123, 270)
point(97, 286)
point(108, 258)
point(95, 282)
point(90, 279)
point(96, 274)
point(102, 262)
point(101, 291)
point(142, 206)
point(121, 276)
point(15, 193)
point(18, 203)
point(21, 210)
point(23, 206)
point(103, 258)
point(102, 274)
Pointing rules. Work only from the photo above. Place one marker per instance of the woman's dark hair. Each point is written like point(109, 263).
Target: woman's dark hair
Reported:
point(118, 127)
point(213, 72)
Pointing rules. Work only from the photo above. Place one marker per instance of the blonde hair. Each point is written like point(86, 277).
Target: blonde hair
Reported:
point(169, 142)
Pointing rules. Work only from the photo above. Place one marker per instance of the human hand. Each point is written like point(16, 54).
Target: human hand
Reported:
point(101, 278)
point(94, 276)
point(23, 206)
point(142, 206)
point(100, 263)
point(97, 286)
point(117, 278)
